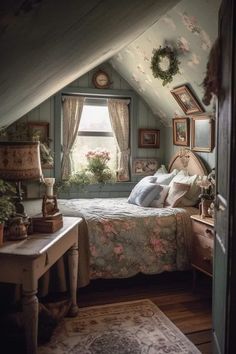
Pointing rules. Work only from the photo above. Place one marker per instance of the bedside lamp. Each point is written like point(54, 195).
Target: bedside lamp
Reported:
point(20, 161)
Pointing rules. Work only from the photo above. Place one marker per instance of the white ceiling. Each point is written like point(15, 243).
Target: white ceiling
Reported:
point(46, 44)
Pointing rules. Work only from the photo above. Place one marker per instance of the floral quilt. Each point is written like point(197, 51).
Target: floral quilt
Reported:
point(125, 239)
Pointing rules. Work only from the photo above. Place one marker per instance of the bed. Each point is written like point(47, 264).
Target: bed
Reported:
point(119, 240)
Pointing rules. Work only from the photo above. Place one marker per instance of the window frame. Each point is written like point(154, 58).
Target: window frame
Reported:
point(93, 93)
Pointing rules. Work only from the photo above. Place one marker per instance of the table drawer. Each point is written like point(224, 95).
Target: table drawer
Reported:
point(202, 253)
point(202, 229)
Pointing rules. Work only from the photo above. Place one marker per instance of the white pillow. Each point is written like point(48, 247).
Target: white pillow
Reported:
point(191, 197)
point(161, 170)
point(158, 202)
point(144, 192)
point(165, 178)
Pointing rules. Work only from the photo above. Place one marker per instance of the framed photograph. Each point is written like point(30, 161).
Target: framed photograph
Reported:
point(144, 166)
point(203, 133)
point(39, 131)
point(149, 138)
point(186, 100)
point(181, 131)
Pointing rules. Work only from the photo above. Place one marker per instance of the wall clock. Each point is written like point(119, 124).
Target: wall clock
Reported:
point(101, 79)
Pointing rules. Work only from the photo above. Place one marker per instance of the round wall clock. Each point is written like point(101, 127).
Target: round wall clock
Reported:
point(101, 79)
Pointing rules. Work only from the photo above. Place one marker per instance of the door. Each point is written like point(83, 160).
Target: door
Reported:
point(224, 290)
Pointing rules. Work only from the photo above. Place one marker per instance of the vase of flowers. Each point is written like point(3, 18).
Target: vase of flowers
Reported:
point(97, 165)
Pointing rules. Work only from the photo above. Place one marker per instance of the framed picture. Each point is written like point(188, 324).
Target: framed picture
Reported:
point(186, 100)
point(180, 131)
point(149, 138)
point(39, 131)
point(203, 133)
point(144, 166)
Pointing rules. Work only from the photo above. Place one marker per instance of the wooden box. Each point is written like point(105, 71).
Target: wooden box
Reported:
point(45, 225)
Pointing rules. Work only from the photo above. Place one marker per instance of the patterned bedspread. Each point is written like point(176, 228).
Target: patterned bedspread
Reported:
point(120, 239)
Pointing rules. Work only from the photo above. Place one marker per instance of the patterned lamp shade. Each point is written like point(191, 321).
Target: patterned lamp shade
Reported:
point(20, 161)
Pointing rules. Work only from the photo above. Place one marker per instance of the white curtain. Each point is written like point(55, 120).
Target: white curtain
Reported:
point(72, 111)
point(119, 117)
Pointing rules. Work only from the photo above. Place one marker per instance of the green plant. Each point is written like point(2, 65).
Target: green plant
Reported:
point(160, 56)
point(7, 207)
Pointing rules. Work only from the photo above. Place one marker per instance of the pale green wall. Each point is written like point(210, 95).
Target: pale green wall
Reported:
point(50, 111)
point(170, 150)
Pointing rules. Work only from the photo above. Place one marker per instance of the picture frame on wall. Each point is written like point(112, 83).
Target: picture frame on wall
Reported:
point(202, 133)
point(144, 166)
point(186, 100)
point(39, 131)
point(181, 131)
point(149, 138)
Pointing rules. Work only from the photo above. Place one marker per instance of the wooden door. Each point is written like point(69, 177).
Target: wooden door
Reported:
point(224, 290)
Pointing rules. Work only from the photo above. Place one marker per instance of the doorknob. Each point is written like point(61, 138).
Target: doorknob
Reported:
point(220, 203)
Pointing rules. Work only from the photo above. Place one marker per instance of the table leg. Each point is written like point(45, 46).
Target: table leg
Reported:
point(30, 313)
point(73, 260)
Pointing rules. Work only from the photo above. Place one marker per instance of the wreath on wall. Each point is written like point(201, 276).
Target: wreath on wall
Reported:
point(160, 55)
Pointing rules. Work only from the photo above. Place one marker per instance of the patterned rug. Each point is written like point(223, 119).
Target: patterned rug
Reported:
point(136, 327)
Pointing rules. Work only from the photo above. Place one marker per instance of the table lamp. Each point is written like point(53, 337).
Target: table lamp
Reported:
point(20, 161)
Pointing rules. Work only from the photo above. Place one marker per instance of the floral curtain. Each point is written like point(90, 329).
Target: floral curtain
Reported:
point(119, 117)
point(72, 111)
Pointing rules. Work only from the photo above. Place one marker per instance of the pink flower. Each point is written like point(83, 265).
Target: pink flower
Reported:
point(93, 251)
point(118, 249)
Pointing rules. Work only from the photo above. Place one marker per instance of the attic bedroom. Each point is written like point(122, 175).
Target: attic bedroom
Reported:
point(107, 175)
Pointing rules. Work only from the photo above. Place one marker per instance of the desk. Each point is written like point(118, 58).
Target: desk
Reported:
point(24, 262)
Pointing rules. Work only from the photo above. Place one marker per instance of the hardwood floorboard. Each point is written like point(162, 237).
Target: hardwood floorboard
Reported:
point(172, 293)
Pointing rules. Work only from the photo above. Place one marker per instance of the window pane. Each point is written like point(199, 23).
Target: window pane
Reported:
point(85, 143)
point(95, 118)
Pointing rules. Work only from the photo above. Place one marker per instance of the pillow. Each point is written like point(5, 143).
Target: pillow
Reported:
point(191, 198)
point(161, 170)
point(158, 202)
point(176, 193)
point(144, 192)
point(165, 178)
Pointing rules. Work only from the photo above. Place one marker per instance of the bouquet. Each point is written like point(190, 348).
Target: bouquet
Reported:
point(97, 165)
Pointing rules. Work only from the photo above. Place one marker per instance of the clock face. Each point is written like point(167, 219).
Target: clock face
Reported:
point(101, 79)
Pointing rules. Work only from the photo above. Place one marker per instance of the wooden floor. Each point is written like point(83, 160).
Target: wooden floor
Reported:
point(172, 293)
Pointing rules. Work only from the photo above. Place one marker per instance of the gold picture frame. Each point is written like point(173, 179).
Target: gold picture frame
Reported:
point(181, 131)
point(202, 133)
point(186, 100)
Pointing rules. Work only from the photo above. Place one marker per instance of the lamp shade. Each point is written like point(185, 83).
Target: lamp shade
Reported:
point(20, 161)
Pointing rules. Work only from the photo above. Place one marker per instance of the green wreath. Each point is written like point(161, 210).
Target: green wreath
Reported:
point(165, 75)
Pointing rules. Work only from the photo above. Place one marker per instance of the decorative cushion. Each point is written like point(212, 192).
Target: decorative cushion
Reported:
point(165, 178)
point(145, 192)
point(176, 193)
point(191, 198)
point(158, 202)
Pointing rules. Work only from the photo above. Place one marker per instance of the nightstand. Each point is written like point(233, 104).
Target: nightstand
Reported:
point(202, 245)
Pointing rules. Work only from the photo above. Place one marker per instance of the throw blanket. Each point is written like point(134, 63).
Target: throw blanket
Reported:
point(119, 240)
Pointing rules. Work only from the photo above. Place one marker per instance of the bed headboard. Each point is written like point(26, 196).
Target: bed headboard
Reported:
point(185, 159)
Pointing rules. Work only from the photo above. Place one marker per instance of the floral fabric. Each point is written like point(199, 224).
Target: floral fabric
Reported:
point(125, 239)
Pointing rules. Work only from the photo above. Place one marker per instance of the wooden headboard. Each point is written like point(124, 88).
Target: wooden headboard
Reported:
point(185, 159)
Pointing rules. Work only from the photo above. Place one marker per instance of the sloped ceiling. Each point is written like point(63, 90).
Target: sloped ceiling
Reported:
point(46, 44)
point(190, 28)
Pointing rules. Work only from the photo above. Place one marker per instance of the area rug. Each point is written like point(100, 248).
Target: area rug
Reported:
point(136, 327)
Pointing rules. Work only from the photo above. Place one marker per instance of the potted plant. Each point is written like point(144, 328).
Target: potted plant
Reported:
point(7, 207)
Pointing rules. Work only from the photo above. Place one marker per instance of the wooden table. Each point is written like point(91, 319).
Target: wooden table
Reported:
point(24, 262)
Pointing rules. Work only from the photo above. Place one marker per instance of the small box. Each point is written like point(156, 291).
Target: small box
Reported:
point(47, 225)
